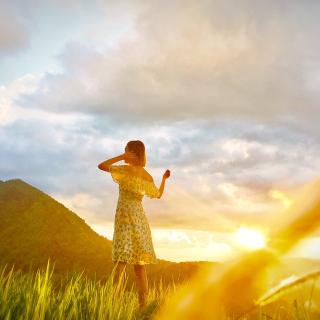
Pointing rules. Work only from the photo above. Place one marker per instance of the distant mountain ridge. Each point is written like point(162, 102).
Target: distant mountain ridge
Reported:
point(35, 227)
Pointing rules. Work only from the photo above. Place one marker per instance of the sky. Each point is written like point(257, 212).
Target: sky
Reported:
point(225, 94)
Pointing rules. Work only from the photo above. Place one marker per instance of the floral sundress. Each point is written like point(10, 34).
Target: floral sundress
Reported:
point(132, 241)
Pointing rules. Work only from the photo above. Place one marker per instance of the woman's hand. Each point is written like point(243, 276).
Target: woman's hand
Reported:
point(130, 157)
point(166, 175)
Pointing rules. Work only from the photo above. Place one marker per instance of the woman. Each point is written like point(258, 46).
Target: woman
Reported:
point(132, 242)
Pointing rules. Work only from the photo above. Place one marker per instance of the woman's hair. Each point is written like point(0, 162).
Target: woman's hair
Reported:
point(139, 149)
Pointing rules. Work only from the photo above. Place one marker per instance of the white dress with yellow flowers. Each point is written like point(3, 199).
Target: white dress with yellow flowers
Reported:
point(132, 241)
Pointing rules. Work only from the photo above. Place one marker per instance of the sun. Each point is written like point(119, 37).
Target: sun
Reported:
point(250, 238)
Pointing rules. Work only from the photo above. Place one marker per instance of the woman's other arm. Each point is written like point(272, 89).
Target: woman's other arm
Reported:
point(165, 176)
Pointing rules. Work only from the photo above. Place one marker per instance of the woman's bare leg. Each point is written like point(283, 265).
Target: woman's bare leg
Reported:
point(142, 284)
point(120, 270)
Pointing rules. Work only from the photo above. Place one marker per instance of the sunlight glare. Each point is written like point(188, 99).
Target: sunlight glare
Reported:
point(250, 238)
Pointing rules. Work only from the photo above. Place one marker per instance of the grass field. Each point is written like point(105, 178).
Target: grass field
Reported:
point(40, 296)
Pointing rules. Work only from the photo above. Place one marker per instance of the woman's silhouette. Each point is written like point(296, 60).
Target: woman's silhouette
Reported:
point(132, 242)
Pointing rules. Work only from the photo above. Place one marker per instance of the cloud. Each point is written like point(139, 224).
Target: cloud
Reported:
point(225, 95)
point(14, 36)
point(222, 171)
point(196, 60)
point(10, 109)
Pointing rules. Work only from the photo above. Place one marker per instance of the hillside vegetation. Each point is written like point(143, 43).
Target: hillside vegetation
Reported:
point(34, 227)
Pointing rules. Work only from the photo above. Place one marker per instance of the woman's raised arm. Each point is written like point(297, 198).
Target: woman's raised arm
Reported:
point(107, 163)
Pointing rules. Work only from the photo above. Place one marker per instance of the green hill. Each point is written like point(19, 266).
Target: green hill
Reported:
point(35, 227)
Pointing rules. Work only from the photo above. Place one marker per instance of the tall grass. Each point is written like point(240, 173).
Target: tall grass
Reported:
point(39, 296)
point(275, 293)
point(297, 299)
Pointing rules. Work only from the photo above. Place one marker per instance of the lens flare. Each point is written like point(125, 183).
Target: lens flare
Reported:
point(277, 195)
